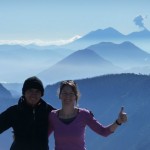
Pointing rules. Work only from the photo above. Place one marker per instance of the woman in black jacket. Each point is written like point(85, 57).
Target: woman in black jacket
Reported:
point(29, 118)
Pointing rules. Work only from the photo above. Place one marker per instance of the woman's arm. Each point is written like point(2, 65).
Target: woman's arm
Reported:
point(106, 130)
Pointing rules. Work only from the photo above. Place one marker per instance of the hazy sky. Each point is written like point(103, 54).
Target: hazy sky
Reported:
point(54, 20)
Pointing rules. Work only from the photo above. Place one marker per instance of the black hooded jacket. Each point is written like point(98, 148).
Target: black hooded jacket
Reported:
point(30, 125)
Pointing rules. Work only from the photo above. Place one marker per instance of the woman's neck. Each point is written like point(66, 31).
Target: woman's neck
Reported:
point(67, 112)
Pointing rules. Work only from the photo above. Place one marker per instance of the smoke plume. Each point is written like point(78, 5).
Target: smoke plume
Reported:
point(139, 21)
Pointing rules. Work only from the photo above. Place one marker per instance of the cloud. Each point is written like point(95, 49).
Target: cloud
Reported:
point(139, 21)
point(39, 42)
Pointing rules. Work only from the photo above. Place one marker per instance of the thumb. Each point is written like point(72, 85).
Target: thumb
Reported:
point(122, 109)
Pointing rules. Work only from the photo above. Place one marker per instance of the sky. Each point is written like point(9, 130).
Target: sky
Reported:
point(60, 21)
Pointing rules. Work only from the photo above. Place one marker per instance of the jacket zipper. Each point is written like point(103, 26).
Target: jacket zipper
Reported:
point(34, 114)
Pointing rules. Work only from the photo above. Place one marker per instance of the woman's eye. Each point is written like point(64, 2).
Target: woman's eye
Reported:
point(68, 94)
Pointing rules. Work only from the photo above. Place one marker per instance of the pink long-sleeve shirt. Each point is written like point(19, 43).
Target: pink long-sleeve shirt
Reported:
point(72, 136)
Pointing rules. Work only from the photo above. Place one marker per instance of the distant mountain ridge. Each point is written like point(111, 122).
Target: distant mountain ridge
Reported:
point(144, 34)
point(25, 62)
point(99, 59)
point(107, 35)
point(5, 94)
point(125, 54)
point(6, 98)
point(80, 64)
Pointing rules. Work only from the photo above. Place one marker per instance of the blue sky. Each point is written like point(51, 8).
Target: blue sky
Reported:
point(56, 20)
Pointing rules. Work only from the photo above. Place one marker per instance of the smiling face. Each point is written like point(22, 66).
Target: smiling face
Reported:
point(67, 96)
point(32, 96)
point(68, 92)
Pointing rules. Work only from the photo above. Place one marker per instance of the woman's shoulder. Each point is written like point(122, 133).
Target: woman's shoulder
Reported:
point(85, 114)
point(85, 111)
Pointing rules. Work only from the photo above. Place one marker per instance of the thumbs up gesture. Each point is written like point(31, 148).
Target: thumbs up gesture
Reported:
point(122, 117)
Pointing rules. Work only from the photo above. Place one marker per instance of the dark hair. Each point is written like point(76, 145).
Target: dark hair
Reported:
point(33, 82)
point(72, 84)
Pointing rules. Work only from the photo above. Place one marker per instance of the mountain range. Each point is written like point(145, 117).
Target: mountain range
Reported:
point(125, 54)
point(99, 59)
point(109, 35)
point(6, 98)
point(28, 60)
point(80, 64)
point(5, 94)
point(23, 61)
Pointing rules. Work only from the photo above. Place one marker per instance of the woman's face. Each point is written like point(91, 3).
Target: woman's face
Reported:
point(33, 96)
point(67, 96)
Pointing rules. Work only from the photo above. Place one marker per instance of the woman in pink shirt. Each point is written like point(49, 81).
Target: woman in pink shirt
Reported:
point(69, 122)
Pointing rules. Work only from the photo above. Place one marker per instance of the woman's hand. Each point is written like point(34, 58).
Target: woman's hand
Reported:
point(122, 117)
